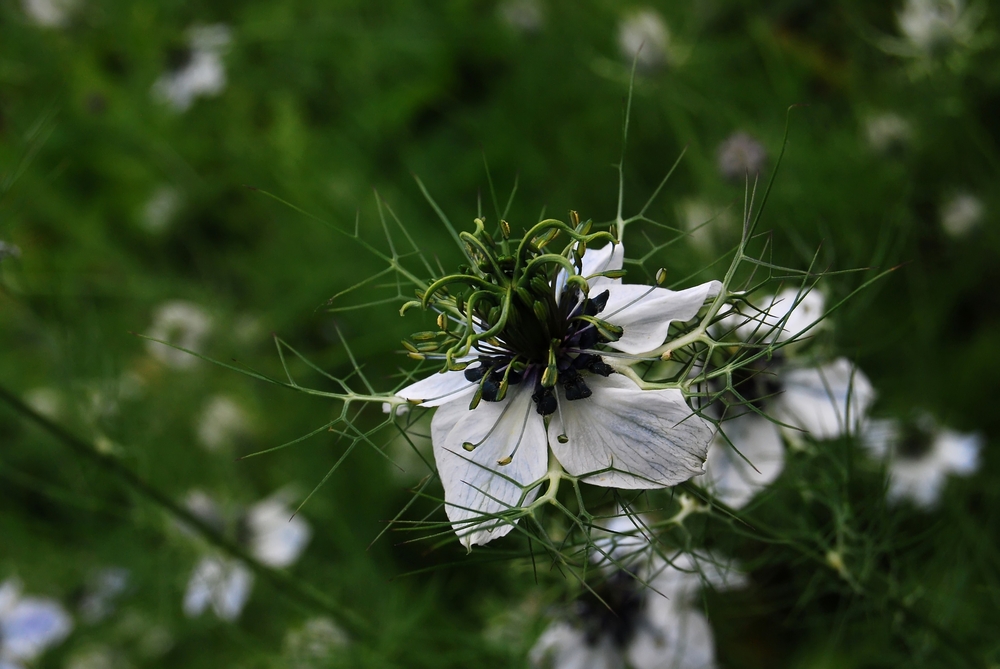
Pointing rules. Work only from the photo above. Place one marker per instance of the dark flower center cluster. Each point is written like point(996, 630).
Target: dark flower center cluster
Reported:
point(612, 609)
point(757, 382)
point(529, 347)
point(525, 315)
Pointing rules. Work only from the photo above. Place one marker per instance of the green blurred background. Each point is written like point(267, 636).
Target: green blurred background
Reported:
point(119, 203)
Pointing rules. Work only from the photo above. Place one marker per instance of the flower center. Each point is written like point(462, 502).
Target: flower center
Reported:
point(756, 383)
point(546, 345)
point(612, 609)
point(914, 442)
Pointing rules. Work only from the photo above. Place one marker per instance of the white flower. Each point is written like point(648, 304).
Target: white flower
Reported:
point(8, 250)
point(601, 426)
point(104, 588)
point(221, 422)
point(961, 214)
point(220, 582)
point(182, 324)
point(313, 644)
point(525, 16)
point(888, 133)
point(920, 456)
point(704, 223)
point(645, 618)
point(740, 156)
point(822, 402)
point(933, 25)
point(28, 625)
point(271, 535)
point(643, 37)
point(49, 13)
point(160, 209)
point(204, 73)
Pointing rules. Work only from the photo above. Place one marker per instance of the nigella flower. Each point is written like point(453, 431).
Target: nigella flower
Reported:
point(741, 157)
point(268, 532)
point(643, 37)
point(888, 133)
point(536, 379)
point(182, 324)
point(313, 644)
point(822, 402)
point(932, 26)
point(201, 74)
point(919, 456)
point(961, 214)
point(221, 423)
point(102, 592)
point(28, 625)
point(49, 13)
point(641, 614)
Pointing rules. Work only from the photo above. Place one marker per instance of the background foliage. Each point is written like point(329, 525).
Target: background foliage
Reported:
point(325, 101)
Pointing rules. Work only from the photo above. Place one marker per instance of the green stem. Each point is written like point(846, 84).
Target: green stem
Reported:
point(282, 581)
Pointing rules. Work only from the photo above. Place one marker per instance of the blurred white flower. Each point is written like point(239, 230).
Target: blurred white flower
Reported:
point(888, 133)
point(704, 223)
point(643, 37)
point(102, 592)
point(183, 324)
point(269, 533)
point(47, 401)
point(822, 402)
point(525, 16)
point(313, 644)
point(28, 625)
point(920, 455)
point(204, 73)
point(98, 657)
point(641, 614)
point(8, 250)
point(221, 422)
point(961, 214)
point(934, 25)
point(49, 13)
point(160, 209)
point(220, 582)
point(740, 156)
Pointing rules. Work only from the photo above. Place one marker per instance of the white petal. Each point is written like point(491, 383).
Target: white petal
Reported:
point(780, 318)
point(958, 452)
point(824, 402)
point(650, 437)
point(676, 638)
point(917, 479)
point(608, 258)
point(32, 625)
point(225, 584)
point(646, 312)
point(728, 475)
point(474, 484)
point(438, 389)
point(276, 537)
point(563, 646)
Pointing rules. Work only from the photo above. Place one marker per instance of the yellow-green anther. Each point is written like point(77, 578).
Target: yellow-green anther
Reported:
point(562, 438)
point(424, 336)
point(540, 285)
point(579, 282)
point(427, 347)
point(607, 331)
point(409, 305)
point(469, 446)
point(614, 273)
point(416, 356)
point(442, 322)
point(408, 345)
point(505, 228)
point(551, 374)
point(586, 227)
point(541, 311)
point(477, 397)
point(574, 218)
point(661, 276)
point(505, 461)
